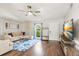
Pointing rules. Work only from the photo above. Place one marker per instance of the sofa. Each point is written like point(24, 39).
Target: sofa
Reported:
point(5, 46)
point(13, 36)
point(6, 41)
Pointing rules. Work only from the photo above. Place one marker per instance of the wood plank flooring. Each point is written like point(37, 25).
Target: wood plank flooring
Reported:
point(42, 48)
point(45, 48)
point(71, 51)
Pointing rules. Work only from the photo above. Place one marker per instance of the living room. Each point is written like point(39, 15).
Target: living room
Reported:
point(31, 29)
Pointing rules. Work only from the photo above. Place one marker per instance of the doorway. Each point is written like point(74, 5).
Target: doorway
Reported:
point(38, 30)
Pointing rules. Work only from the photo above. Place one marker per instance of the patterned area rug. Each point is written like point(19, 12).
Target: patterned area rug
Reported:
point(24, 45)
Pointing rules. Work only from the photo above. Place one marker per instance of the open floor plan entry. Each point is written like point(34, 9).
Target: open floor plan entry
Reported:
point(39, 29)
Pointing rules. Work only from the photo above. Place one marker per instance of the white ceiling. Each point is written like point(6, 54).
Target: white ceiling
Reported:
point(49, 11)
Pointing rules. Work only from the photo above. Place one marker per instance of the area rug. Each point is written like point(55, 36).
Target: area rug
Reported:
point(25, 45)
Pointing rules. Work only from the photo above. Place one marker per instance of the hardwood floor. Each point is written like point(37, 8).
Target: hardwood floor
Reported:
point(42, 48)
point(72, 51)
point(45, 48)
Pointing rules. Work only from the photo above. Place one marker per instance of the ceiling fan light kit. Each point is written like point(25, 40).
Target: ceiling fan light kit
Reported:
point(30, 11)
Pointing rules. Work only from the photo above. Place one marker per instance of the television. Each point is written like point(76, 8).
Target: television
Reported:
point(68, 29)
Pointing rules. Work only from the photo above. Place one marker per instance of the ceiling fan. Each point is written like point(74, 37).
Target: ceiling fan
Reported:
point(29, 11)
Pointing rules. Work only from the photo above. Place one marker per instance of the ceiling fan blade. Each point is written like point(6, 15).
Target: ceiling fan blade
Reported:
point(37, 11)
point(22, 10)
point(34, 11)
point(34, 14)
point(30, 11)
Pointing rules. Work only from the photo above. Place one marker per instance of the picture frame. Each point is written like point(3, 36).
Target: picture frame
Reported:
point(11, 25)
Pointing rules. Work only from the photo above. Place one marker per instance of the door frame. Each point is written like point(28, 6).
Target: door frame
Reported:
point(35, 31)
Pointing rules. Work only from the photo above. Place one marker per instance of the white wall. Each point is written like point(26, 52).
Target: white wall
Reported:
point(3, 28)
point(55, 27)
point(27, 27)
point(23, 26)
